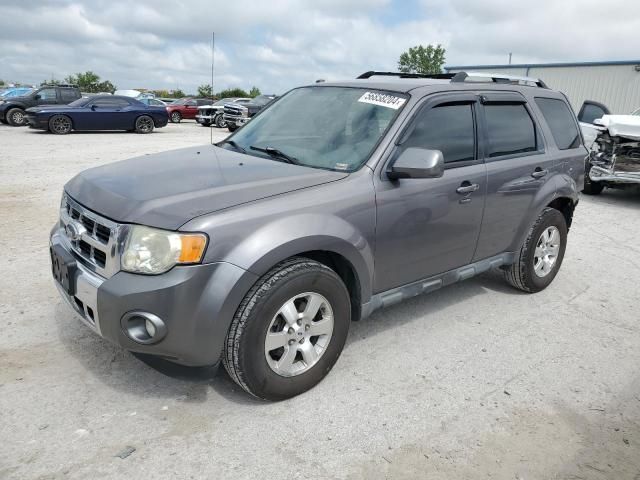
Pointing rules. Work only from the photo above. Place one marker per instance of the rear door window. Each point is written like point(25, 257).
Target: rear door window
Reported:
point(592, 111)
point(510, 129)
point(560, 120)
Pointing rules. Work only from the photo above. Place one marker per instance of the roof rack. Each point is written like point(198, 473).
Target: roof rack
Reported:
point(461, 77)
point(498, 78)
point(372, 73)
point(62, 85)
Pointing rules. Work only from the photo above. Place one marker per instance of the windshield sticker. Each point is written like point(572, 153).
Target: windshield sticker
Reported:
point(382, 100)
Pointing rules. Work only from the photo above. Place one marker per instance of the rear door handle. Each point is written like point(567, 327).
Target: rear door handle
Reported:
point(467, 187)
point(539, 173)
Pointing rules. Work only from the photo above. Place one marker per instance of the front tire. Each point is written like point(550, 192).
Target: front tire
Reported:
point(591, 187)
point(60, 125)
point(16, 118)
point(541, 255)
point(220, 123)
point(289, 330)
point(144, 124)
point(176, 117)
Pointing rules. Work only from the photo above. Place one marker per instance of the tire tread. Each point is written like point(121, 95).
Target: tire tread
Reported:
point(230, 356)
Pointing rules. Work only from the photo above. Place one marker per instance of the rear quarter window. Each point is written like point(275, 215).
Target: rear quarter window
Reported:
point(560, 120)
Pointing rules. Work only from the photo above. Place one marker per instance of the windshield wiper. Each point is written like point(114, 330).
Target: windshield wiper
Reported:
point(233, 144)
point(275, 153)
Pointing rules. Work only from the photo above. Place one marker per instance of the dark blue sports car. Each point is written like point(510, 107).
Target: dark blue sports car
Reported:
point(102, 112)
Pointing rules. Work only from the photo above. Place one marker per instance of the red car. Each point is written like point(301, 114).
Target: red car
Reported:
point(185, 108)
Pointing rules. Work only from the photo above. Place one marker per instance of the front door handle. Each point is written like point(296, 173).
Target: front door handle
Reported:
point(467, 187)
point(539, 173)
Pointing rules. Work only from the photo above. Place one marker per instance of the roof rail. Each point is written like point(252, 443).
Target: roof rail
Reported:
point(498, 78)
point(372, 73)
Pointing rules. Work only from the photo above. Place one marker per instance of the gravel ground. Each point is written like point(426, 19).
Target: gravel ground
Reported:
point(473, 381)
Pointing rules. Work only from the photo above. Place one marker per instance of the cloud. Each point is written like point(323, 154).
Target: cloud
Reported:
point(283, 43)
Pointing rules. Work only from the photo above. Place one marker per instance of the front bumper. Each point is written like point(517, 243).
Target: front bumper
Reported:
point(235, 120)
point(205, 118)
point(196, 303)
point(602, 174)
point(36, 122)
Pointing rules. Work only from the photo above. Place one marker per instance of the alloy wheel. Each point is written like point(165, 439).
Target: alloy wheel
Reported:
point(144, 124)
point(17, 117)
point(299, 334)
point(546, 252)
point(61, 125)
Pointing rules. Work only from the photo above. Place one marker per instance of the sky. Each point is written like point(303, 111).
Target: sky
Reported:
point(279, 44)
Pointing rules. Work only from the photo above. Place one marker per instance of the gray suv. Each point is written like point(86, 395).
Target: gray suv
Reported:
point(336, 200)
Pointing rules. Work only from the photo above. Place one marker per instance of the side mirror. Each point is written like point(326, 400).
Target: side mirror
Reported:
point(93, 108)
point(37, 97)
point(417, 163)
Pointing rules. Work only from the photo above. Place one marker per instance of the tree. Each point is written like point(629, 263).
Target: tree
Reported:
point(205, 91)
point(177, 93)
point(232, 92)
point(51, 81)
point(1, 83)
point(420, 59)
point(254, 92)
point(90, 82)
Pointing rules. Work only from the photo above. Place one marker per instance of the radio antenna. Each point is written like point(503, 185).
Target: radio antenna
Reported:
point(213, 56)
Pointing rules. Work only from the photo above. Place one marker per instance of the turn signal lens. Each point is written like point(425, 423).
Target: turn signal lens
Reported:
point(193, 246)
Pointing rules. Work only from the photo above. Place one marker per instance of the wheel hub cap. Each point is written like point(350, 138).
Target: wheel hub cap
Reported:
point(546, 253)
point(299, 334)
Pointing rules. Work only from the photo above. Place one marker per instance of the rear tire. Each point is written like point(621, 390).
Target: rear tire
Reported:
point(175, 117)
point(60, 125)
point(541, 255)
point(291, 304)
point(219, 120)
point(232, 128)
point(16, 118)
point(144, 124)
point(206, 123)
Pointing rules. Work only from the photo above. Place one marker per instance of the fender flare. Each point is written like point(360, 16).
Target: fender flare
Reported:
point(559, 186)
point(306, 232)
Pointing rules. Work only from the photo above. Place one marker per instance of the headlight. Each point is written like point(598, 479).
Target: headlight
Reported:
point(153, 251)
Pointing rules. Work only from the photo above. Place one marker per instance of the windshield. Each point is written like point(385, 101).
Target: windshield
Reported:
point(334, 128)
point(262, 100)
point(16, 93)
point(80, 102)
point(181, 101)
point(222, 101)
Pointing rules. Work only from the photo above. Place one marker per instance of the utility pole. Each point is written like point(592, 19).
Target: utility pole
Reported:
point(510, 57)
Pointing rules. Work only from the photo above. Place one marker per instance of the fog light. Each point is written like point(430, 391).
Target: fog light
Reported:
point(143, 327)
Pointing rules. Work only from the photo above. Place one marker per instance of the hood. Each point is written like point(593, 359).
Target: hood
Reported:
point(19, 98)
point(42, 108)
point(168, 189)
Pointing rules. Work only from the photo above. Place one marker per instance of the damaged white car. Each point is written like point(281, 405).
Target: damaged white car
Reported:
point(614, 154)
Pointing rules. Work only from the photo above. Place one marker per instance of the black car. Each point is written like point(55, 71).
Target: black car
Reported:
point(12, 110)
point(102, 112)
point(236, 115)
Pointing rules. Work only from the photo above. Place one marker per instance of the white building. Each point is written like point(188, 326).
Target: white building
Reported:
point(616, 84)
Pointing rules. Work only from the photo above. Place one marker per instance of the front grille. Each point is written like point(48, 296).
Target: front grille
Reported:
point(91, 237)
point(236, 111)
